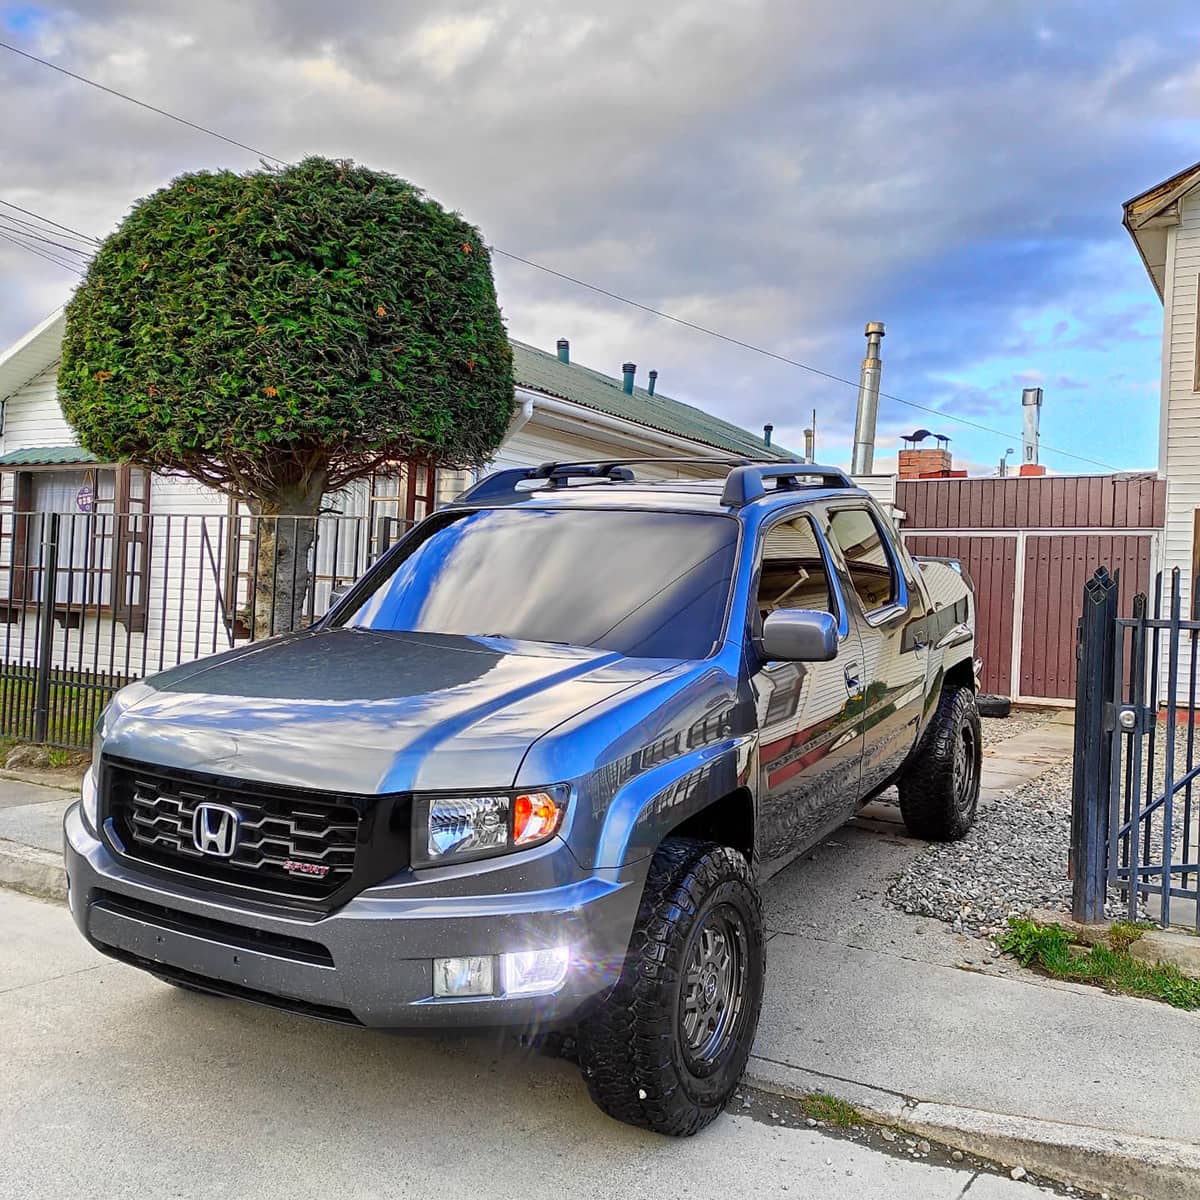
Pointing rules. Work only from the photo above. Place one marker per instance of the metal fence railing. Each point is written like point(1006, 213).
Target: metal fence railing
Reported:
point(92, 601)
point(1136, 826)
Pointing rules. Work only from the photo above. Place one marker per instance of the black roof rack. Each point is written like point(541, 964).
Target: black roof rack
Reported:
point(743, 484)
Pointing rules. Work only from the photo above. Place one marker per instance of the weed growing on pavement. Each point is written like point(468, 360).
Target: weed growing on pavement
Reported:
point(1049, 948)
point(829, 1108)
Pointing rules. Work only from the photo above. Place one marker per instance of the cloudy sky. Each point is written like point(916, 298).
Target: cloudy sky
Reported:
point(780, 170)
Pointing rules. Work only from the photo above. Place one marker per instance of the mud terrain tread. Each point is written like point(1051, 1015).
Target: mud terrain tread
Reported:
point(627, 1048)
point(927, 801)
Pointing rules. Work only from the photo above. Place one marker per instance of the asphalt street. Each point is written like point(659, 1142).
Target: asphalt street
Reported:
point(113, 1085)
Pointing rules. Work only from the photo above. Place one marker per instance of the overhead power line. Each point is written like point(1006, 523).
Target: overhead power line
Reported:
point(657, 312)
point(25, 231)
point(162, 112)
point(41, 253)
point(87, 237)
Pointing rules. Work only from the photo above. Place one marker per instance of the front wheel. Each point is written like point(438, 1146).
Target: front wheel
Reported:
point(667, 1048)
point(939, 793)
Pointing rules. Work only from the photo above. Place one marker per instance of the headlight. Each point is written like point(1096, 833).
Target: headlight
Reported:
point(464, 827)
point(89, 799)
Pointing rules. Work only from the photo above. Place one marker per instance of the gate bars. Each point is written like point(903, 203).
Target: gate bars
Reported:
point(1135, 817)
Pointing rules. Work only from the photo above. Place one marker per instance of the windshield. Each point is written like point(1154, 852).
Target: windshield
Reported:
point(644, 584)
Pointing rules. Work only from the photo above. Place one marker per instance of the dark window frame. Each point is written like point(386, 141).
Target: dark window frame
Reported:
point(128, 534)
point(899, 601)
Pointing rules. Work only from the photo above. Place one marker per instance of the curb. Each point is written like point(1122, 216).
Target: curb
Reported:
point(33, 871)
point(1123, 1166)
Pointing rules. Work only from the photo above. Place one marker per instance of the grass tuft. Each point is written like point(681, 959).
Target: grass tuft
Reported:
point(1049, 948)
point(821, 1107)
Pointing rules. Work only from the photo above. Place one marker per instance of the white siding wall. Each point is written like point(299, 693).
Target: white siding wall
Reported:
point(32, 416)
point(1182, 401)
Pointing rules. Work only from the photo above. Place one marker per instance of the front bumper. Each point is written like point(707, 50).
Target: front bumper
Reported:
point(371, 961)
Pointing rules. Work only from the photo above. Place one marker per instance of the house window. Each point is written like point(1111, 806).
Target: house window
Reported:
point(103, 540)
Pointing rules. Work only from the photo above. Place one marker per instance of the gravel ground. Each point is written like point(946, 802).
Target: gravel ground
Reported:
point(1013, 860)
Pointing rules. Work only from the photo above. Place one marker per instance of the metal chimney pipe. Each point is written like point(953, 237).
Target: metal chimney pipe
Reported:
point(767, 431)
point(809, 448)
point(564, 350)
point(863, 460)
point(1031, 407)
point(628, 371)
point(653, 381)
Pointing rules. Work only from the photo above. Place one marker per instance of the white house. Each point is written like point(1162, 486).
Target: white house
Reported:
point(154, 569)
point(1165, 225)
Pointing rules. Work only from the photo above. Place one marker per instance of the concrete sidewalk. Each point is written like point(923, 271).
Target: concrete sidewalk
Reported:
point(917, 1026)
point(31, 815)
point(928, 1030)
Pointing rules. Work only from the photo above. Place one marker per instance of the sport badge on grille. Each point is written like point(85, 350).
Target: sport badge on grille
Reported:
point(215, 829)
point(316, 870)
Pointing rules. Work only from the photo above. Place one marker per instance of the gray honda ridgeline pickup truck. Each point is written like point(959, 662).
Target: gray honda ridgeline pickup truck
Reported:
point(532, 769)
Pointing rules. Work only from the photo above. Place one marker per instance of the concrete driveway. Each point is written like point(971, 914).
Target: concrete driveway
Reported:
point(116, 1085)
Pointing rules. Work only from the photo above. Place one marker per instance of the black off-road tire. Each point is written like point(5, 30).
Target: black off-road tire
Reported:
point(939, 792)
point(638, 1050)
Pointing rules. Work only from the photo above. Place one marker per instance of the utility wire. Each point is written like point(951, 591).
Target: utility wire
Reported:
point(87, 237)
point(25, 232)
point(162, 112)
point(41, 253)
point(783, 358)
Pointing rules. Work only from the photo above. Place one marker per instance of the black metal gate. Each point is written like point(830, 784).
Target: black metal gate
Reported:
point(1136, 811)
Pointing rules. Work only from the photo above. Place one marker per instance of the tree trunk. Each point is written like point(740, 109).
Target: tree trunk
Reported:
point(285, 528)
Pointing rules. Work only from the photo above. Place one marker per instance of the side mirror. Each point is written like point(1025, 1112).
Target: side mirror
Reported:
point(799, 635)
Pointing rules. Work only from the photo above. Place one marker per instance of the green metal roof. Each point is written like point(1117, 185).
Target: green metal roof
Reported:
point(544, 372)
point(47, 456)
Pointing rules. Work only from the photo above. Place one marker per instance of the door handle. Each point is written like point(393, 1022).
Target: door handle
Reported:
point(853, 682)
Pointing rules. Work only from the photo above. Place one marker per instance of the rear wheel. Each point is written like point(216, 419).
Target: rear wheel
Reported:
point(667, 1048)
point(939, 793)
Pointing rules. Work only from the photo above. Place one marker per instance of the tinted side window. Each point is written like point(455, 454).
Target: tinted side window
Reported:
point(871, 571)
point(793, 573)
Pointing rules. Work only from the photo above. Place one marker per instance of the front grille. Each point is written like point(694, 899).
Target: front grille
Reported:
point(288, 841)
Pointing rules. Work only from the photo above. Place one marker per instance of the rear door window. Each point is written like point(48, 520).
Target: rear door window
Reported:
point(864, 547)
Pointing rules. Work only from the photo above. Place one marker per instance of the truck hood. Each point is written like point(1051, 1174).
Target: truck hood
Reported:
point(366, 711)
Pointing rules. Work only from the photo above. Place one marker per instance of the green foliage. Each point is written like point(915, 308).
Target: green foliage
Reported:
point(830, 1109)
point(288, 329)
point(1049, 948)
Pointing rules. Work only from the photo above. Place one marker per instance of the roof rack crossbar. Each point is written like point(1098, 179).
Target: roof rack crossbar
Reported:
point(746, 484)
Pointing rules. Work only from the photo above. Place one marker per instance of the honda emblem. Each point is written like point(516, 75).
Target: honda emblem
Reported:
point(215, 829)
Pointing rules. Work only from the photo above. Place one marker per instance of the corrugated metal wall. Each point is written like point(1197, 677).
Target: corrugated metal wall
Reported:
point(1028, 545)
point(1034, 502)
point(992, 563)
point(1056, 568)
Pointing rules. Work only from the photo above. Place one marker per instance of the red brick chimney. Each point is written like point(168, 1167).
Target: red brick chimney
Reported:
point(925, 464)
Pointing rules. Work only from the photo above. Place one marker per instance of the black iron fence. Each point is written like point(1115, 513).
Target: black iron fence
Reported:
point(91, 601)
point(1136, 813)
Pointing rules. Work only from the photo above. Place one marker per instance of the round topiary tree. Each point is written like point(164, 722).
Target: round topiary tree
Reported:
point(280, 333)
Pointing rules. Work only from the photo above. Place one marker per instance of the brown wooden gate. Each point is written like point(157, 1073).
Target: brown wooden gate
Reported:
point(992, 563)
point(1029, 544)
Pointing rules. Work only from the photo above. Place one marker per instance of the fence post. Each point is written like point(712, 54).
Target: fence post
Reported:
point(1095, 654)
point(45, 646)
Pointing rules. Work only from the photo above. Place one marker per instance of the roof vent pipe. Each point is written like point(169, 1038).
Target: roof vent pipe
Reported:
point(863, 460)
point(1031, 408)
point(767, 431)
point(653, 381)
point(564, 350)
point(628, 371)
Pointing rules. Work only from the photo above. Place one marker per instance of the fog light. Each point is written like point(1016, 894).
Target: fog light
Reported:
point(464, 976)
point(534, 972)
